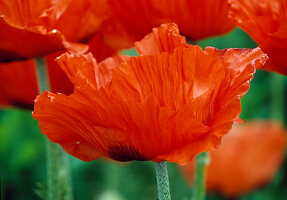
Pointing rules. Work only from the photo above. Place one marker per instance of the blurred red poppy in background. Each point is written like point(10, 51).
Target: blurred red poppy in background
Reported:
point(196, 19)
point(33, 28)
point(249, 156)
point(19, 82)
point(266, 22)
point(170, 103)
point(13, 87)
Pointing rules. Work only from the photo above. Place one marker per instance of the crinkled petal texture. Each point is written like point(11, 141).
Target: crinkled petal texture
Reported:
point(248, 157)
point(196, 19)
point(170, 103)
point(266, 22)
point(19, 82)
point(33, 28)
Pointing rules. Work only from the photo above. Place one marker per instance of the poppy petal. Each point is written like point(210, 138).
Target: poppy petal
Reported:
point(18, 83)
point(210, 17)
point(72, 142)
point(22, 38)
point(87, 14)
point(240, 64)
point(59, 81)
point(80, 70)
point(104, 70)
point(163, 39)
point(84, 71)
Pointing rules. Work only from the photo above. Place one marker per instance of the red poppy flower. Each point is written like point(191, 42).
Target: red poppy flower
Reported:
point(266, 22)
point(196, 19)
point(33, 28)
point(170, 103)
point(19, 82)
point(248, 157)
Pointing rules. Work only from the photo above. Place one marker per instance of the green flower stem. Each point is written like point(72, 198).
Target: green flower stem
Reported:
point(42, 73)
point(277, 84)
point(59, 180)
point(199, 181)
point(58, 166)
point(1, 183)
point(162, 181)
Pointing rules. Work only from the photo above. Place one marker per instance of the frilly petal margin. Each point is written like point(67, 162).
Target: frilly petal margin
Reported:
point(241, 64)
point(265, 22)
point(83, 70)
point(56, 119)
point(163, 39)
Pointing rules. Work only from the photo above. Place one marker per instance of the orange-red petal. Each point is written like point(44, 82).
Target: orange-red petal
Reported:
point(84, 71)
point(163, 39)
point(115, 36)
point(59, 81)
point(66, 135)
point(196, 19)
point(81, 19)
point(19, 44)
point(265, 21)
point(18, 83)
point(241, 65)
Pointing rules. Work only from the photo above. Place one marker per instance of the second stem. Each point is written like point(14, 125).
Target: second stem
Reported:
point(58, 167)
point(199, 181)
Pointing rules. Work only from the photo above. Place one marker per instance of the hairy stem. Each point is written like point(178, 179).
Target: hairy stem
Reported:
point(58, 166)
point(162, 181)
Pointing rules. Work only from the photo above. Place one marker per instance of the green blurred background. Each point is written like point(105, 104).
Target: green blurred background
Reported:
point(22, 152)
